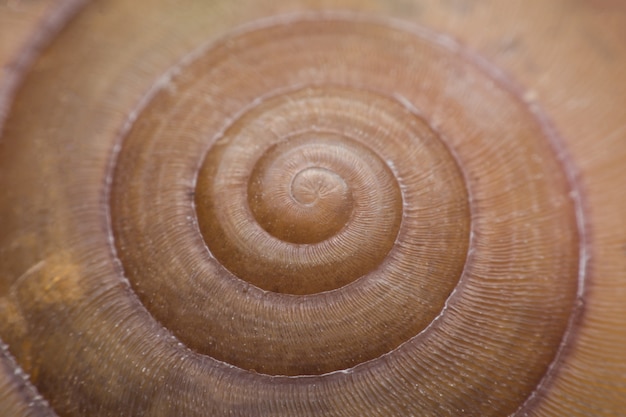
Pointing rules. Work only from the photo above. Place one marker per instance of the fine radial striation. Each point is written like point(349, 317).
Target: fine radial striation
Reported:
point(218, 209)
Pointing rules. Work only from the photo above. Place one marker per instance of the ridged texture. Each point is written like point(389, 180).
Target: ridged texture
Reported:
point(291, 208)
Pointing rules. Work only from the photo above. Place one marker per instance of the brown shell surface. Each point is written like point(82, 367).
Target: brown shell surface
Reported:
point(312, 208)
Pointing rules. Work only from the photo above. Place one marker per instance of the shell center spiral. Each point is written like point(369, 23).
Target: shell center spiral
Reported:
point(300, 199)
point(276, 208)
point(317, 185)
point(318, 205)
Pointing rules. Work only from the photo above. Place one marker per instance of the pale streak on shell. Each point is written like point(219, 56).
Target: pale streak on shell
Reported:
point(79, 269)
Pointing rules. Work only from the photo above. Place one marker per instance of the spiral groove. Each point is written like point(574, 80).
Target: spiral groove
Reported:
point(319, 233)
point(275, 174)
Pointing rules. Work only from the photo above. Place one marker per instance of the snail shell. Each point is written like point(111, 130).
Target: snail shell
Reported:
point(370, 208)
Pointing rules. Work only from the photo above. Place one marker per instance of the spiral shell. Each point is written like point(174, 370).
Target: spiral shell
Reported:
point(360, 209)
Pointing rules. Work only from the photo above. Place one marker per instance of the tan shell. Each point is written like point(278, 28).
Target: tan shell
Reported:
point(346, 208)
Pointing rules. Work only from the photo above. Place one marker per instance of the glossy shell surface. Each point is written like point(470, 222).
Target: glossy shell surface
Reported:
point(353, 208)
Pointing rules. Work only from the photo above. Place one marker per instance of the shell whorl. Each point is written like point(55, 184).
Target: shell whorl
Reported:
point(310, 214)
